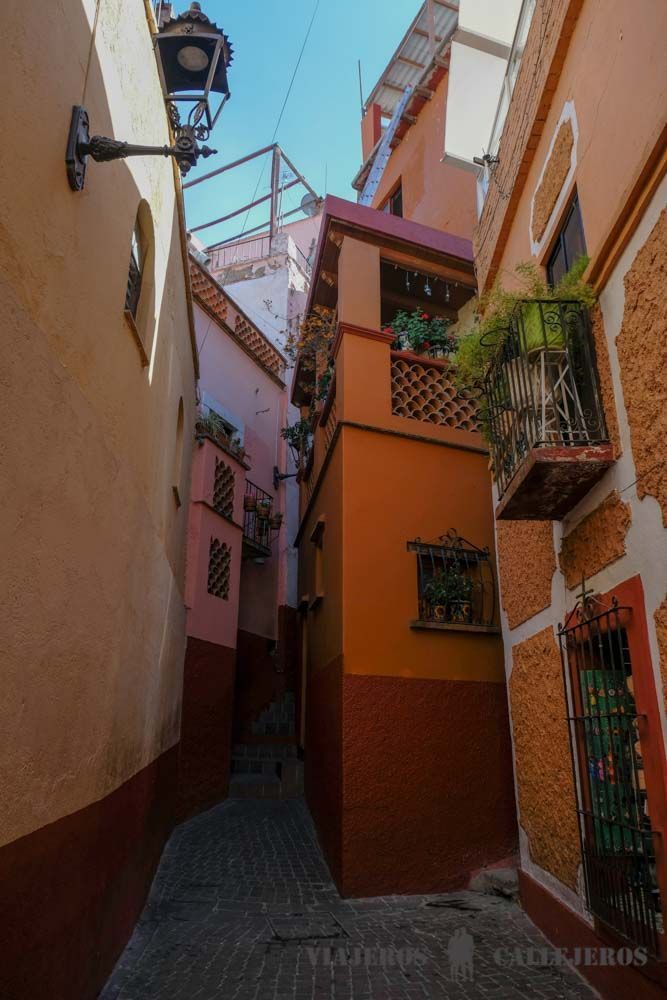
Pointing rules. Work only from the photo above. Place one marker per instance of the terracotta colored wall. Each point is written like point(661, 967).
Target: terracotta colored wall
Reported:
point(434, 193)
point(206, 726)
point(73, 890)
point(427, 783)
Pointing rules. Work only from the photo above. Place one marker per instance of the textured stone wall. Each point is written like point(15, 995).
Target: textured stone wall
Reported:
point(547, 808)
point(604, 379)
point(597, 541)
point(642, 352)
point(556, 170)
point(527, 562)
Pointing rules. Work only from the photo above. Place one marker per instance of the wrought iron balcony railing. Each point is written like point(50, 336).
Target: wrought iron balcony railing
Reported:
point(541, 392)
point(260, 521)
point(455, 584)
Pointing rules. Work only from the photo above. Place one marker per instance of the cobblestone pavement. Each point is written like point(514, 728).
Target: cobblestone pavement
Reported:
point(243, 908)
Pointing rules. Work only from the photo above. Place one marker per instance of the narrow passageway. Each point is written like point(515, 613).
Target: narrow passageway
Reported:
point(243, 908)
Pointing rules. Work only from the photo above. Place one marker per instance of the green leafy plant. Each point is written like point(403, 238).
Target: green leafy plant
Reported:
point(298, 437)
point(478, 347)
point(324, 381)
point(212, 424)
point(447, 587)
point(418, 332)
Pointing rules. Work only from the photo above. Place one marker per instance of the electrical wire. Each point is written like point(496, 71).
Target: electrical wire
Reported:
point(284, 106)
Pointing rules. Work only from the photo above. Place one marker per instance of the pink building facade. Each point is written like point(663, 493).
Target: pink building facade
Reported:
point(239, 624)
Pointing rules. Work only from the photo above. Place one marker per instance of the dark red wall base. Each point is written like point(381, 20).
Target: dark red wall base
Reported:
point(73, 891)
point(206, 726)
point(415, 774)
point(565, 929)
point(323, 760)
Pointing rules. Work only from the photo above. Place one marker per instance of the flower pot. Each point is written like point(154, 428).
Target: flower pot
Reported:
point(460, 612)
point(276, 522)
point(439, 612)
point(249, 503)
point(264, 510)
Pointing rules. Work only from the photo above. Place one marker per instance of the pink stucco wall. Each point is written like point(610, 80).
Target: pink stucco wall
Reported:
point(257, 405)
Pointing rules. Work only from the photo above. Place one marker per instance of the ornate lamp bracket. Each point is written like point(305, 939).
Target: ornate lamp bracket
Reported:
point(81, 145)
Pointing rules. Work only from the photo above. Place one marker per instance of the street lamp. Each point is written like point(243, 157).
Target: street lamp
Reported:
point(193, 55)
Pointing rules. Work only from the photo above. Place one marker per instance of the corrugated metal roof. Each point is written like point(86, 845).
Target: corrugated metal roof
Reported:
point(406, 67)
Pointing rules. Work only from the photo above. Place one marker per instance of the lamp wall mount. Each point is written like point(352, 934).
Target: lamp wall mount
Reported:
point(102, 149)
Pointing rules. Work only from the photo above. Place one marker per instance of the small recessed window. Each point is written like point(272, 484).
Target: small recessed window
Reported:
point(140, 287)
point(394, 203)
point(569, 246)
point(135, 273)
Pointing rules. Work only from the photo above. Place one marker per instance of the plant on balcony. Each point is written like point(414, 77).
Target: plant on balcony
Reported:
point(298, 437)
point(447, 596)
point(419, 332)
point(212, 425)
point(276, 521)
point(324, 381)
point(478, 347)
point(249, 503)
point(263, 510)
point(310, 346)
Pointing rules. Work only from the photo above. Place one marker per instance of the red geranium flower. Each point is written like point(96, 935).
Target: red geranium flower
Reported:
point(424, 315)
point(388, 329)
point(426, 344)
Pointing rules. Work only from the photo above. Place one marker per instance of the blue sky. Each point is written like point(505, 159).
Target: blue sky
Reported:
point(320, 128)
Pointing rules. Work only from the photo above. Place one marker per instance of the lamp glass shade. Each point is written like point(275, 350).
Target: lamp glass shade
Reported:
point(193, 59)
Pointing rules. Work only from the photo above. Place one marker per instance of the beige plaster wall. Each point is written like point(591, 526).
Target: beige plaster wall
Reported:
point(92, 617)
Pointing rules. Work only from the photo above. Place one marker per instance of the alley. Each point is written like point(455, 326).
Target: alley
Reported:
point(243, 908)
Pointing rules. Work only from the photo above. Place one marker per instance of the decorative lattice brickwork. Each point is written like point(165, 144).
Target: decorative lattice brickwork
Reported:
point(223, 489)
point(209, 293)
point(260, 347)
point(422, 392)
point(219, 565)
point(212, 297)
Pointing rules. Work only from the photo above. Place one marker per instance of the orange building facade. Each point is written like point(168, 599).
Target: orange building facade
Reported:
point(405, 726)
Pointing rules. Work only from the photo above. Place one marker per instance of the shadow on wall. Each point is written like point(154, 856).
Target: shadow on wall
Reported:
point(93, 658)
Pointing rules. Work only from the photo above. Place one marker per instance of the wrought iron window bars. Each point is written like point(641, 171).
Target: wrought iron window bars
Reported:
point(455, 582)
point(617, 841)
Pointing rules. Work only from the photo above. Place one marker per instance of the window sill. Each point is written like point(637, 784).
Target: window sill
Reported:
point(453, 627)
point(131, 322)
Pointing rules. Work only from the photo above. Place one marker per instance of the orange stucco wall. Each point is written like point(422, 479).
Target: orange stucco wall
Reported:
point(434, 193)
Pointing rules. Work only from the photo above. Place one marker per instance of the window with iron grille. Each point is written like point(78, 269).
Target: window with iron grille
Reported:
point(134, 277)
point(617, 841)
point(455, 583)
point(219, 567)
point(223, 489)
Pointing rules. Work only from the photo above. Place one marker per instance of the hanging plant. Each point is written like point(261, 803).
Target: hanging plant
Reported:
point(419, 332)
point(249, 503)
point(263, 510)
point(480, 345)
point(276, 521)
point(298, 437)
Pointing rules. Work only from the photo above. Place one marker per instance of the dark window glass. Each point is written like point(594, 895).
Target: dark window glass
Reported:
point(134, 276)
point(394, 204)
point(569, 246)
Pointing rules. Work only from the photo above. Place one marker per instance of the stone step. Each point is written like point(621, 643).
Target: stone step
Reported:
point(264, 751)
point(285, 783)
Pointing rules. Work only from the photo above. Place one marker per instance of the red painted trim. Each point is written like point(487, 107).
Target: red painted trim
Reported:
point(566, 929)
point(440, 363)
point(631, 594)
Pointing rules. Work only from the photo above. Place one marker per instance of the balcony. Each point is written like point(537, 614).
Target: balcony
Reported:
point(547, 431)
point(260, 522)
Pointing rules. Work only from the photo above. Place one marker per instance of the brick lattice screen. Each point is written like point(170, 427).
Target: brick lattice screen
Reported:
point(223, 489)
point(422, 392)
point(219, 566)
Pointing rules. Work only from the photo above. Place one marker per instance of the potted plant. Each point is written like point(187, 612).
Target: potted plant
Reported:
point(250, 503)
point(263, 510)
point(420, 333)
point(276, 521)
point(502, 313)
point(447, 596)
